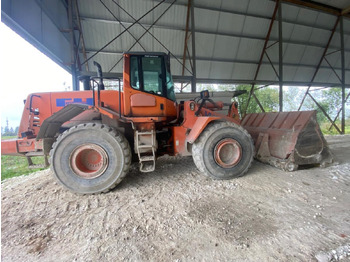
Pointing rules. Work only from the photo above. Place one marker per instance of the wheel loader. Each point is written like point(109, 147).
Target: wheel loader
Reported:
point(91, 137)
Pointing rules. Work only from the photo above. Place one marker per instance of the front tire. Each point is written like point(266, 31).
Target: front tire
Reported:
point(90, 158)
point(224, 150)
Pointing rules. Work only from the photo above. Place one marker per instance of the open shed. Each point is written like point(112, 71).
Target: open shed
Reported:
point(254, 42)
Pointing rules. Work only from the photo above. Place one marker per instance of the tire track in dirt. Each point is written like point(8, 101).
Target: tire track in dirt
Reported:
point(176, 213)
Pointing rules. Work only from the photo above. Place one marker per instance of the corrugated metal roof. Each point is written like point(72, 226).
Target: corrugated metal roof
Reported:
point(229, 36)
point(341, 4)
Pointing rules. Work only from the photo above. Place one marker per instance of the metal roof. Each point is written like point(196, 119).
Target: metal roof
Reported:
point(229, 36)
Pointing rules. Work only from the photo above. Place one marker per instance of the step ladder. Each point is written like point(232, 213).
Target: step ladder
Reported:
point(145, 145)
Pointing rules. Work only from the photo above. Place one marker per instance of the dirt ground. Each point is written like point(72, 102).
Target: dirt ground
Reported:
point(178, 214)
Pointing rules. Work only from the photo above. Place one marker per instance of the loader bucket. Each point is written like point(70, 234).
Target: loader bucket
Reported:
point(288, 140)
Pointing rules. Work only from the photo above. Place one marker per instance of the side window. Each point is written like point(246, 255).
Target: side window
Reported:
point(152, 75)
point(170, 87)
point(134, 73)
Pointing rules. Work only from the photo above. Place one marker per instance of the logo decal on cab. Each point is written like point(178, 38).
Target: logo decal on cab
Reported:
point(62, 102)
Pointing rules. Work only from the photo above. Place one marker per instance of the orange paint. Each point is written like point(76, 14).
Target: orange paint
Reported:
point(143, 110)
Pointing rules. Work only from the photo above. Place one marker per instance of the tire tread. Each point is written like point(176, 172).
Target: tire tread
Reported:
point(108, 130)
point(198, 145)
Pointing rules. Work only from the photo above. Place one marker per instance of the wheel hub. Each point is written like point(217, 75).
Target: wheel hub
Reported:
point(227, 153)
point(89, 161)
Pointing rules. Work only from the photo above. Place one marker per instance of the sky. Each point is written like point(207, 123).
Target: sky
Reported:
point(24, 70)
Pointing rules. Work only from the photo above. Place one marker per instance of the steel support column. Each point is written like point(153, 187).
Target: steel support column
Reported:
point(184, 56)
point(194, 73)
point(340, 110)
point(251, 93)
point(320, 62)
point(341, 131)
point(81, 36)
point(73, 49)
point(323, 111)
point(342, 44)
point(280, 51)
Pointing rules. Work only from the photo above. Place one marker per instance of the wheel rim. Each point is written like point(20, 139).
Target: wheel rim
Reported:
point(88, 161)
point(227, 153)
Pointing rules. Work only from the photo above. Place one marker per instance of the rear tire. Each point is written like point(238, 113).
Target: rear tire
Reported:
point(224, 150)
point(90, 158)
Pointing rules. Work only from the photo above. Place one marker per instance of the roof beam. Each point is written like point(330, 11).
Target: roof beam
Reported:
point(285, 20)
point(345, 11)
point(266, 82)
point(225, 60)
point(316, 6)
point(213, 33)
point(184, 79)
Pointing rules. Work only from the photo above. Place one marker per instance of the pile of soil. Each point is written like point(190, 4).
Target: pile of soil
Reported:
point(178, 214)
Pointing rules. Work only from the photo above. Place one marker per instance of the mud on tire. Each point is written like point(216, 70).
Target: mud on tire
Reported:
point(90, 158)
point(224, 150)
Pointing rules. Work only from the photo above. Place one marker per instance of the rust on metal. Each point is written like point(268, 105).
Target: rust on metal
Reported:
point(228, 153)
point(251, 93)
point(288, 140)
point(89, 161)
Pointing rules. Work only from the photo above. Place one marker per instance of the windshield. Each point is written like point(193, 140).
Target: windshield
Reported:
point(149, 74)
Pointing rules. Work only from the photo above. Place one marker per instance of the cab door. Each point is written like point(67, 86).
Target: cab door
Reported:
point(146, 87)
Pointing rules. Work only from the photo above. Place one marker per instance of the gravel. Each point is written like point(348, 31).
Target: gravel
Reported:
point(178, 214)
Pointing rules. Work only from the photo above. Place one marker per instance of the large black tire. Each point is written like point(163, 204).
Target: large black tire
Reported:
point(224, 150)
point(90, 158)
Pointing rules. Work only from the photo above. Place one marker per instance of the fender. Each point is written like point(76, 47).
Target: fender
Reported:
point(198, 123)
point(52, 124)
point(199, 126)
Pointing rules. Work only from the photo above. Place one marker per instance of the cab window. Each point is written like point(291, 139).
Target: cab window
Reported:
point(152, 75)
point(170, 87)
point(149, 74)
point(134, 73)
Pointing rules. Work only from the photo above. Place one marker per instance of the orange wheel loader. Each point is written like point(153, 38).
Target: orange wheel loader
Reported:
point(92, 136)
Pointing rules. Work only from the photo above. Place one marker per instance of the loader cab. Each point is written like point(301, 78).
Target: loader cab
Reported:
point(148, 85)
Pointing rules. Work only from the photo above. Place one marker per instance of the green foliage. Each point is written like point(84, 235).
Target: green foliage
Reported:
point(267, 96)
point(7, 137)
point(329, 99)
point(12, 166)
point(8, 131)
point(292, 97)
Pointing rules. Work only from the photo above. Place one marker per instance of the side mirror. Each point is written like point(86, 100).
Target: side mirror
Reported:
point(204, 94)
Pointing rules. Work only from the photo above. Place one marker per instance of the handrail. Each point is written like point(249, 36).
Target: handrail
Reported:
point(98, 91)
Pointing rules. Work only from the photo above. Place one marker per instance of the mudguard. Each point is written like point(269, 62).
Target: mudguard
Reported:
point(52, 124)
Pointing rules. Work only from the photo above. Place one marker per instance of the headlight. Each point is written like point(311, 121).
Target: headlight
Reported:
point(192, 106)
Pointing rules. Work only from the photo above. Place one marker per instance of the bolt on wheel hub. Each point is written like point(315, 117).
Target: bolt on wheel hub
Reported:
point(227, 153)
point(89, 161)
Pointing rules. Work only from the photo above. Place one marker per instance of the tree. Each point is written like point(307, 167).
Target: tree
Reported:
point(328, 99)
point(333, 99)
point(7, 126)
point(267, 96)
point(292, 97)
